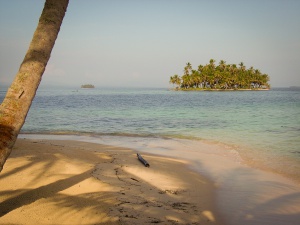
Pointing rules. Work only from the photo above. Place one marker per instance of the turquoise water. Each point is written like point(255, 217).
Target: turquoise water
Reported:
point(263, 126)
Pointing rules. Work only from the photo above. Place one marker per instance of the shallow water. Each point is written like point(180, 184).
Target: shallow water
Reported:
point(262, 126)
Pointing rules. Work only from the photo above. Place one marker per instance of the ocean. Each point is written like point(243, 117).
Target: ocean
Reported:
point(262, 127)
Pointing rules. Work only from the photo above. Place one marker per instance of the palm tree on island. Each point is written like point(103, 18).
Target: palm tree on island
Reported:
point(221, 77)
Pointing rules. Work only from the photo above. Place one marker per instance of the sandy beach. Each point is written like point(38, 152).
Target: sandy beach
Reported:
point(70, 182)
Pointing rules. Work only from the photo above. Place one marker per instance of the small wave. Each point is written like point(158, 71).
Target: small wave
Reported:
point(295, 152)
point(114, 134)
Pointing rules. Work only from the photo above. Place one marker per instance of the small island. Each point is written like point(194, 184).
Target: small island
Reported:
point(221, 77)
point(87, 86)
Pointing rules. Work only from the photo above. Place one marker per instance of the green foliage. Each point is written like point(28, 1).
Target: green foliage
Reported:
point(224, 77)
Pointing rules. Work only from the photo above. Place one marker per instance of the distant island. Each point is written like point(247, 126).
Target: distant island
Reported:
point(87, 86)
point(221, 77)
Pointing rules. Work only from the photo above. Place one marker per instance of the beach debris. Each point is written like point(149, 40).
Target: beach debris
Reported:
point(180, 206)
point(156, 221)
point(174, 192)
point(142, 160)
point(134, 179)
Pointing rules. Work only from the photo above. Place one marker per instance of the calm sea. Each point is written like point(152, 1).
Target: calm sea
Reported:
point(262, 126)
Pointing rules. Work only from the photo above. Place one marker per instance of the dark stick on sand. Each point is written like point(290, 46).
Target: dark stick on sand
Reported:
point(142, 160)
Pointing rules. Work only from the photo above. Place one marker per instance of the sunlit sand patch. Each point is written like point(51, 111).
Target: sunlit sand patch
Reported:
point(209, 215)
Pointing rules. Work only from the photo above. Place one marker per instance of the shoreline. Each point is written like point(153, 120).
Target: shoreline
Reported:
point(243, 195)
point(246, 156)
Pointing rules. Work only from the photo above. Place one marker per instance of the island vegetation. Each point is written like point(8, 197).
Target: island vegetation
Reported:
point(221, 77)
point(87, 86)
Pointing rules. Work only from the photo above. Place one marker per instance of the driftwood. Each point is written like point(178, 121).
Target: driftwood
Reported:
point(142, 160)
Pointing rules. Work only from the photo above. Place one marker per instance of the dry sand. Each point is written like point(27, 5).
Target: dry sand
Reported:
point(69, 182)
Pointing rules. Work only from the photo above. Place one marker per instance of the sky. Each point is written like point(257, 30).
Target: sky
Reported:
point(141, 43)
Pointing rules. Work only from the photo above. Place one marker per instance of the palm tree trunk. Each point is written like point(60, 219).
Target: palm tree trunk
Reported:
point(15, 106)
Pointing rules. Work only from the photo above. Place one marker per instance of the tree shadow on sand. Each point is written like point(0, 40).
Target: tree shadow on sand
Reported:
point(29, 196)
point(129, 200)
point(36, 192)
